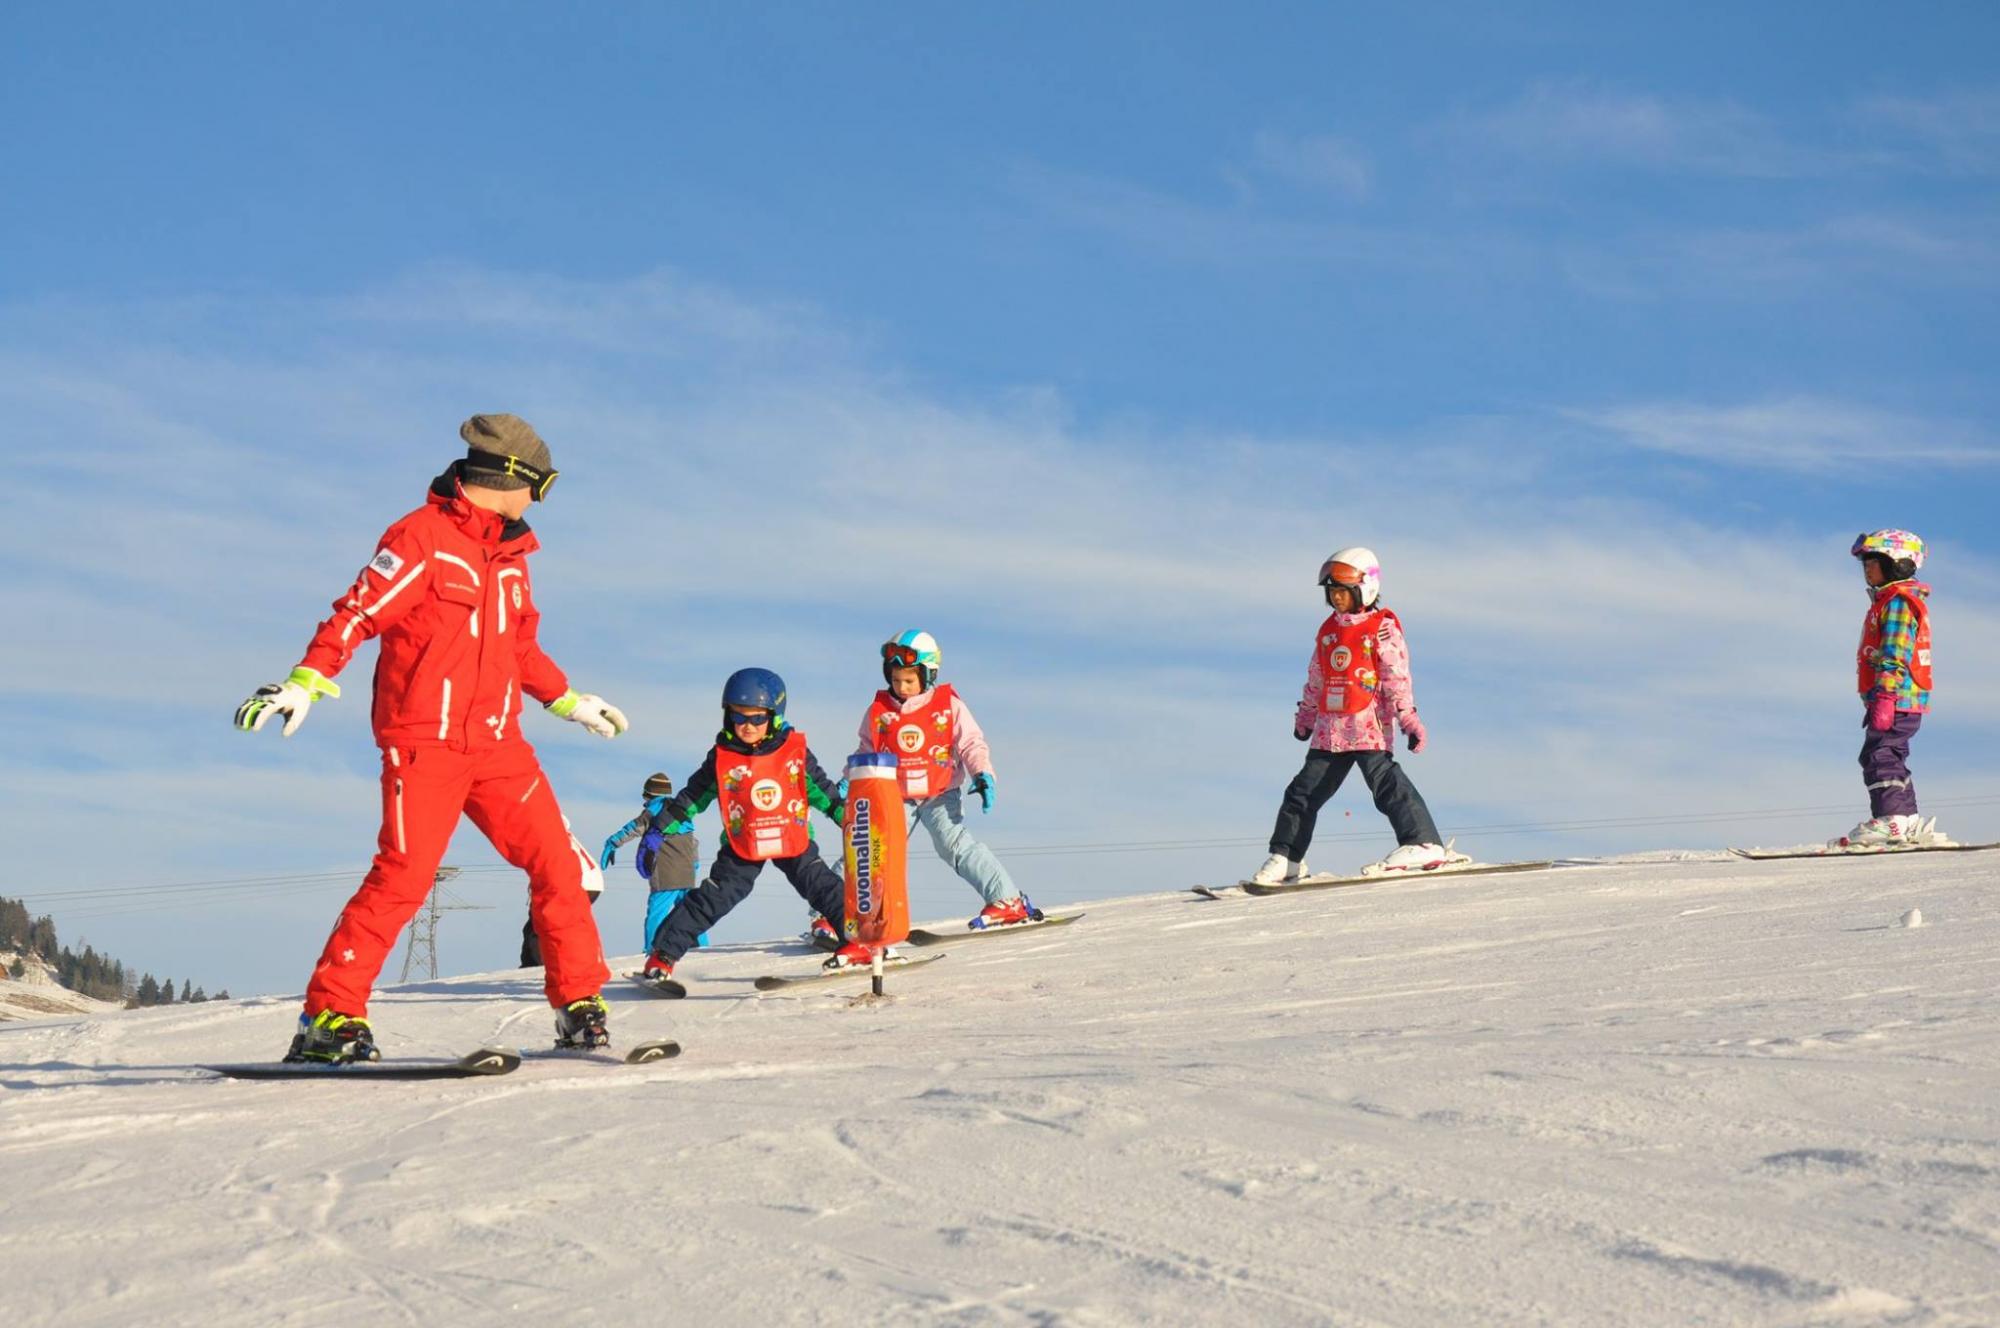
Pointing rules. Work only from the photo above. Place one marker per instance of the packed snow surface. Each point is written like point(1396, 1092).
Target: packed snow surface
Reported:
point(1669, 1092)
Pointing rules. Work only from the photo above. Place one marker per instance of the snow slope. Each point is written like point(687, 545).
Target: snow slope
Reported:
point(37, 995)
point(1687, 1092)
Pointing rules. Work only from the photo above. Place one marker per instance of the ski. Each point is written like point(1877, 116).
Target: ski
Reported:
point(667, 989)
point(927, 938)
point(1333, 882)
point(1217, 891)
point(851, 971)
point(643, 1053)
point(483, 1062)
point(1823, 851)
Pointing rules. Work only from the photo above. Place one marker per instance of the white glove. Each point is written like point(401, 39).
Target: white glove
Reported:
point(593, 712)
point(290, 698)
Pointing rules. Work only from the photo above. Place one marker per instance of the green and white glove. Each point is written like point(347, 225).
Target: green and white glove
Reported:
point(593, 712)
point(290, 698)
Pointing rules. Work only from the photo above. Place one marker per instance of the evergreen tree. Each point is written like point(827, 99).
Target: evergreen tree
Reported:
point(149, 991)
point(187, 991)
point(199, 996)
point(166, 991)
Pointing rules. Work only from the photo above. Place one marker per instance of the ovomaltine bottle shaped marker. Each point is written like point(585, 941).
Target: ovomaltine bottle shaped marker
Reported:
point(877, 835)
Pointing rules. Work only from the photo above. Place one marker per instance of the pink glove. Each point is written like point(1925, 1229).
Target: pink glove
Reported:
point(1881, 712)
point(1413, 729)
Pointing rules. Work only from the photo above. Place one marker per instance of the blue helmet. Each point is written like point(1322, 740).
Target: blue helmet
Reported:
point(758, 689)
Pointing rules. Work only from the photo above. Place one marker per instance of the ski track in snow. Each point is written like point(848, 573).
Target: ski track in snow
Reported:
point(1657, 1091)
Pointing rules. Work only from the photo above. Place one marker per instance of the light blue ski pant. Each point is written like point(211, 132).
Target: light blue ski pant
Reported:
point(658, 905)
point(944, 817)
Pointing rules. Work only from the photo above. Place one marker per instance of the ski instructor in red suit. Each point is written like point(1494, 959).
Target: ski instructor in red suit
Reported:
point(447, 594)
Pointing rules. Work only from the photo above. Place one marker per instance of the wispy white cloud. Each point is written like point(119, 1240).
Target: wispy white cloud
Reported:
point(1802, 434)
point(1572, 121)
point(1581, 122)
point(1740, 264)
point(1315, 161)
point(1956, 132)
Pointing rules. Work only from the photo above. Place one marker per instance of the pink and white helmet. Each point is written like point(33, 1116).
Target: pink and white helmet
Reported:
point(1895, 545)
point(1367, 585)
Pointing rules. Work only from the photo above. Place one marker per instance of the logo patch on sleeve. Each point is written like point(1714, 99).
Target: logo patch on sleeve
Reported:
point(386, 563)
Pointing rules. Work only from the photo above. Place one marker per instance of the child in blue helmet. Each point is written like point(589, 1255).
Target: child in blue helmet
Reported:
point(765, 781)
point(675, 861)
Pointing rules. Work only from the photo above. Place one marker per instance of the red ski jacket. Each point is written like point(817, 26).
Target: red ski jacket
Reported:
point(447, 592)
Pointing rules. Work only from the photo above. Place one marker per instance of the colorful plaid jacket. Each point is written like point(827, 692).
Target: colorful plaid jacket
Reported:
point(1892, 657)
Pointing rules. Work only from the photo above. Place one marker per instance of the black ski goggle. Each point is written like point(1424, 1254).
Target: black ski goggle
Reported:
point(539, 481)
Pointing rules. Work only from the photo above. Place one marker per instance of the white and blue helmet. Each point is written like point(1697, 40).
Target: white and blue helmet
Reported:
point(912, 650)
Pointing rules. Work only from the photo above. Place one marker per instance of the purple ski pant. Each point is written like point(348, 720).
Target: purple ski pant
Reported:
point(1885, 766)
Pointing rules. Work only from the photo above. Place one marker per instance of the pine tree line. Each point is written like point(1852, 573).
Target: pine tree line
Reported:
point(87, 973)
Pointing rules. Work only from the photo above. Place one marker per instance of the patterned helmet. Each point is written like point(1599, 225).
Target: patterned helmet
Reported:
point(1361, 572)
point(1898, 546)
point(912, 650)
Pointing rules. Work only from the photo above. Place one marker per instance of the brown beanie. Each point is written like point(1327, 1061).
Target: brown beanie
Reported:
point(658, 785)
point(500, 437)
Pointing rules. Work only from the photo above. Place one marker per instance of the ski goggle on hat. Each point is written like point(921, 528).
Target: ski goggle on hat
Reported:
point(902, 656)
point(538, 480)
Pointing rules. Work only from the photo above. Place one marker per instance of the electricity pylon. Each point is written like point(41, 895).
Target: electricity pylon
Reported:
point(424, 928)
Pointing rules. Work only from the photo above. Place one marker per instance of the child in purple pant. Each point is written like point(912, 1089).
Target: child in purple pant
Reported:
point(1893, 675)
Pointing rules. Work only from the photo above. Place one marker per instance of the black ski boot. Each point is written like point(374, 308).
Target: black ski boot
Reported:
point(333, 1039)
point(580, 1025)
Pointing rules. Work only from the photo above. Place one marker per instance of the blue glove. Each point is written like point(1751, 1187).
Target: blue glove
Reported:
point(983, 786)
point(625, 832)
point(840, 790)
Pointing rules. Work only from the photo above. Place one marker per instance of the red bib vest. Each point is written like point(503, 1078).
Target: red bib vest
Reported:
point(1871, 639)
point(923, 740)
point(1347, 665)
point(764, 800)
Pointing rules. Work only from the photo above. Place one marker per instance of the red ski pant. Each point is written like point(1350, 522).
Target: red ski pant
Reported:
point(424, 789)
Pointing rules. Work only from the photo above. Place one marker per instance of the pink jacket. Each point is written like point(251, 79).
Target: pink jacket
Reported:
point(969, 753)
point(1371, 730)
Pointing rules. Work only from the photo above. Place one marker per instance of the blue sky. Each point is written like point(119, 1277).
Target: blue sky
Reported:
point(1607, 331)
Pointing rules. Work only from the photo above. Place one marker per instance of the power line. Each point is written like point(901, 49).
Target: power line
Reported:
point(121, 900)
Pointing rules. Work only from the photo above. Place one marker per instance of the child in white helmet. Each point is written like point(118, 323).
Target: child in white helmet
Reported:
point(938, 743)
point(1357, 688)
point(1893, 675)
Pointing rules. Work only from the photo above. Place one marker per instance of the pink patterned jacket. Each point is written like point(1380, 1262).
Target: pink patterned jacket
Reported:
point(970, 755)
point(1371, 730)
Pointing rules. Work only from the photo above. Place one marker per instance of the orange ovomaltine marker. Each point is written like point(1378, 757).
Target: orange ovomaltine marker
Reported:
point(877, 834)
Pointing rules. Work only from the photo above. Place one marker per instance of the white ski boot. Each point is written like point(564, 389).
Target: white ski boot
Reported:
point(1408, 858)
point(1281, 870)
point(1889, 832)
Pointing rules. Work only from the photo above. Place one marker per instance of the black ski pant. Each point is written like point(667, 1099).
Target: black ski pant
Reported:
point(531, 941)
point(1395, 797)
point(728, 884)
